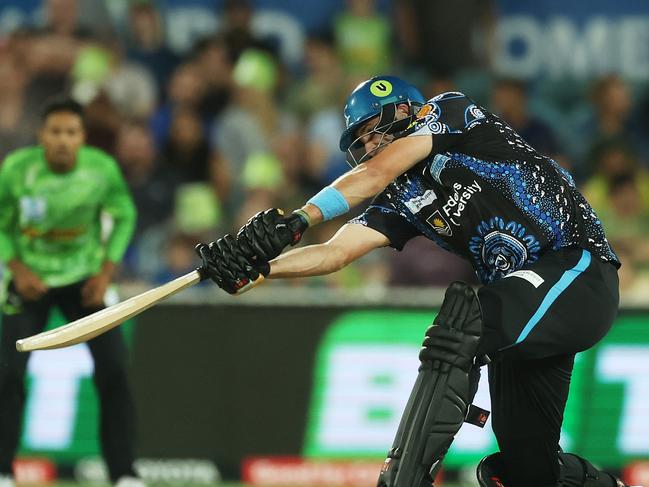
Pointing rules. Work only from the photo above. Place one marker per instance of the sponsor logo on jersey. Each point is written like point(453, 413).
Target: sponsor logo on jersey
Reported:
point(501, 247)
point(439, 224)
point(457, 202)
point(32, 208)
point(425, 110)
point(418, 202)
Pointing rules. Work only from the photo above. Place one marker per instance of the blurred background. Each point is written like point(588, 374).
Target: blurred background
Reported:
point(216, 109)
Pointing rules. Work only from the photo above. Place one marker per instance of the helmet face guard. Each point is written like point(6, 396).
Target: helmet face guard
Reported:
point(377, 97)
point(388, 128)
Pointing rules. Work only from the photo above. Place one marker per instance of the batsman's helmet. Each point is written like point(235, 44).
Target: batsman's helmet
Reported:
point(368, 99)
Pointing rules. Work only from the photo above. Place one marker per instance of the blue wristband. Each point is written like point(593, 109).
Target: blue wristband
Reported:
point(331, 203)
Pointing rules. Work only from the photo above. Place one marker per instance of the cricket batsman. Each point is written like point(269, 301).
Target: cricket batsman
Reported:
point(455, 173)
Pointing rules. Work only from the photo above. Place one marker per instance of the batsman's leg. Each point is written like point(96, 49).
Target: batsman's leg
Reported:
point(574, 471)
point(445, 386)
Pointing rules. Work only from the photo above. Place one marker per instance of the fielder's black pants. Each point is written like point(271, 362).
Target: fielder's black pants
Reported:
point(535, 321)
point(117, 414)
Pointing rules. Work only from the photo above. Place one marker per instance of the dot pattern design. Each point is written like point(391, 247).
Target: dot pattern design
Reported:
point(541, 193)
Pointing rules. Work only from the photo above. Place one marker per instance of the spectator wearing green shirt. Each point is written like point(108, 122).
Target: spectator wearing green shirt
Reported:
point(52, 198)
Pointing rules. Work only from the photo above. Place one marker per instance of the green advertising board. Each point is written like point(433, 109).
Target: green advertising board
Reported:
point(367, 362)
point(334, 383)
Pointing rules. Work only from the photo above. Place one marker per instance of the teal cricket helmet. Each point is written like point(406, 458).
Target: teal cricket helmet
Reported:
point(367, 101)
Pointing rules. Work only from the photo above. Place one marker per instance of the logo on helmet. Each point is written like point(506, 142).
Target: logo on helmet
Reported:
point(381, 88)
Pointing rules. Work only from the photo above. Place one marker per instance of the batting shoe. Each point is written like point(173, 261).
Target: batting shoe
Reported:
point(7, 481)
point(129, 482)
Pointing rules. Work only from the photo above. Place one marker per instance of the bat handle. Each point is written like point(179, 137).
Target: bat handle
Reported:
point(202, 272)
point(250, 285)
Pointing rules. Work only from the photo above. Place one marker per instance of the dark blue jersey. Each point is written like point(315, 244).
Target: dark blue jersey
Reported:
point(484, 193)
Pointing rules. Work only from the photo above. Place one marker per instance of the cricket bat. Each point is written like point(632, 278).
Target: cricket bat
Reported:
point(100, 322)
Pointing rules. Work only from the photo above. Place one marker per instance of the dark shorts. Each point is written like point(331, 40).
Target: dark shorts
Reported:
point(562, 304)
point(535, 320)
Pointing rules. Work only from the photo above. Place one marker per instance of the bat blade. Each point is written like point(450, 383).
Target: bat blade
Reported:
point(100, 322)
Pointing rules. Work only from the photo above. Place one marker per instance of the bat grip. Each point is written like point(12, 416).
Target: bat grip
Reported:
point(202, 272)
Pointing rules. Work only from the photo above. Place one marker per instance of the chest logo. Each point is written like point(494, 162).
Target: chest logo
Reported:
point(458, 201)
point(439, 224)
point(32, 209)
point(417, 203)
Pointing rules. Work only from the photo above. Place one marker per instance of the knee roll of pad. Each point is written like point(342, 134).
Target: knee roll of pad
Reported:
point(440, 398)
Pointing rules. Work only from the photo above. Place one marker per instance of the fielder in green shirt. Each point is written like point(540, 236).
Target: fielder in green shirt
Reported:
point(53, 238)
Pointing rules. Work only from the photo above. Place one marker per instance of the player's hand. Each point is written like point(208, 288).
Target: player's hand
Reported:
point(94, 290)
point(268, 233)
point(225, 263)
point(28, 285)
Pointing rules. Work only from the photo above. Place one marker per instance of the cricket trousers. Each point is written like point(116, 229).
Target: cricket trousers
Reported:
point(117, 414)
point(535, 321)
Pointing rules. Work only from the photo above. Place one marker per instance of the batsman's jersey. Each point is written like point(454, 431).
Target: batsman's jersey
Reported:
point(52, 221)
point(485, 194)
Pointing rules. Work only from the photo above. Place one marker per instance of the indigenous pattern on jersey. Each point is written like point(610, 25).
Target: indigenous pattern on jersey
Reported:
point(485, 194)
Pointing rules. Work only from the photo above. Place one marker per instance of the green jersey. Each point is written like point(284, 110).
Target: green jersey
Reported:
point(52, 222)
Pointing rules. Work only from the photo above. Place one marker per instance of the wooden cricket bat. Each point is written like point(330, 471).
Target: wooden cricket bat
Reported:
point(100, 322)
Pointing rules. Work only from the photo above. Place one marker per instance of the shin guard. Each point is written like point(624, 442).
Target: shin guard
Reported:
point(445, 386)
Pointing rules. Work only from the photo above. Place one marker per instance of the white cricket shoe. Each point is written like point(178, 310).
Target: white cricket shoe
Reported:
point(7, 481)
point(126, 482)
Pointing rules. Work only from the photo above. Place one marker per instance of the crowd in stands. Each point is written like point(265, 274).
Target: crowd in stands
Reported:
point(208, 137)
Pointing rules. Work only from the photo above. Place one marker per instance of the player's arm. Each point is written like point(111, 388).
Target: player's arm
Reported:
point(226, 263)
point(267, 233)
point(119, 205)
point(7, 215)
point(27, 283)
point(351, 242)
point(367, 179)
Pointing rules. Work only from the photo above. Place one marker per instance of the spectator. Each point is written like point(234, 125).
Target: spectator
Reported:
point(612, 159)
point(186, 90)
point(237, 30)
point(103, 121)
point(16, 127)
point(626, 219)
point(610, 118)
point(253, 123)
point(146, 43)
point(151, 185)
point(317, 100)
point(509, 98)
point(215, 67)
point(363, 38)
point(463, 28)
point(186, 152)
